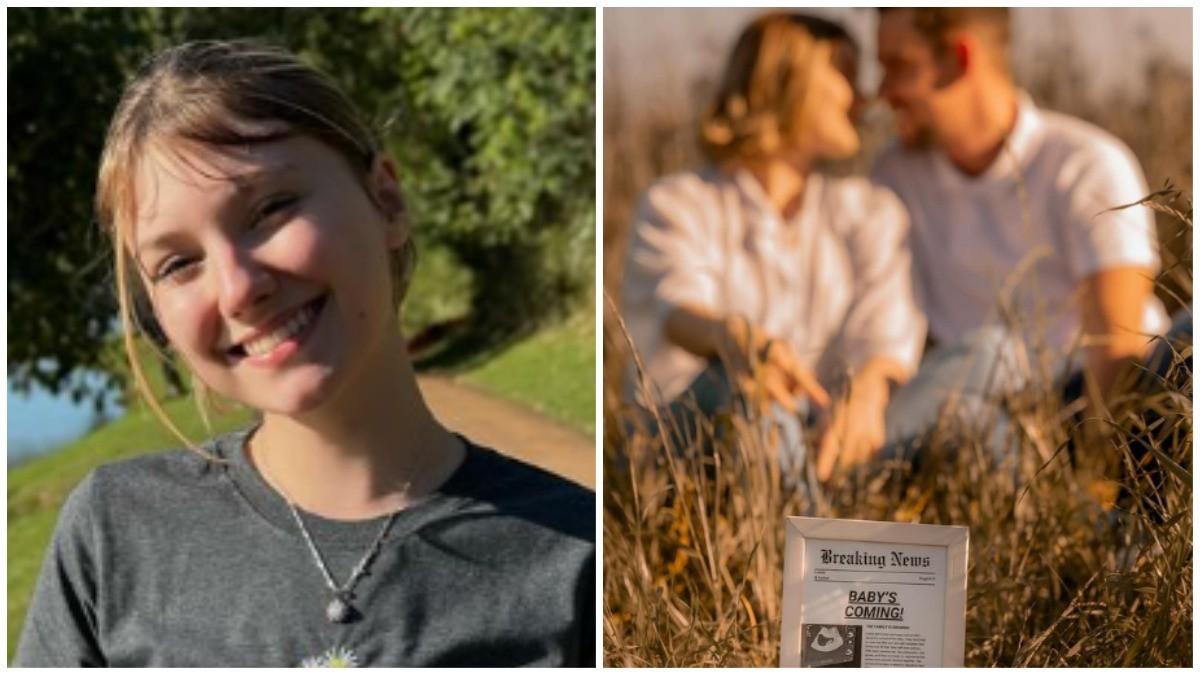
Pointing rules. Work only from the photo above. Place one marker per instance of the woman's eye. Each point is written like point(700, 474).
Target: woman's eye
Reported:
point(273, 208)
point(176, 270)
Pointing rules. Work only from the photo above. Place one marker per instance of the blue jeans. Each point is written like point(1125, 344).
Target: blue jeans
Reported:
point(962, 380)
point(711, 394)
point(970, 372)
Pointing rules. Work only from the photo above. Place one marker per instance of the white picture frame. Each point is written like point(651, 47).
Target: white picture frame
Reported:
point(802, 584)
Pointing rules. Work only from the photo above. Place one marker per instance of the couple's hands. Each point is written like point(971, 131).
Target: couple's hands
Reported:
point(768, 370)
point(856, 429)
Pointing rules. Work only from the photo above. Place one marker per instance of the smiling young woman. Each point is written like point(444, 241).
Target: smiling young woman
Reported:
point(257, 219)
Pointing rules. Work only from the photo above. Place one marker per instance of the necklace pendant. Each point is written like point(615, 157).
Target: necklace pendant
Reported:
point(338, 610)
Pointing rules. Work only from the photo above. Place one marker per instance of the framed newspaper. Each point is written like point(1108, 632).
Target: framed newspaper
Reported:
point(860, 593)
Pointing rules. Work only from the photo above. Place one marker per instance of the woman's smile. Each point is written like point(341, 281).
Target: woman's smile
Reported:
point(278, 340)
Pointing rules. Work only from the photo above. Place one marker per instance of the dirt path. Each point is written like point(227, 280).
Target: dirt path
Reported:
point(512, 429)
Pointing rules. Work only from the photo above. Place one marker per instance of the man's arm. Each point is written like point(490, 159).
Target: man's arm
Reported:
point(858, 429)
point(1113, 303)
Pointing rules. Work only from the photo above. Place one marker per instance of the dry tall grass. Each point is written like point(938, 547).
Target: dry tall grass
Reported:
point(1065, 568)
point(1059, 573)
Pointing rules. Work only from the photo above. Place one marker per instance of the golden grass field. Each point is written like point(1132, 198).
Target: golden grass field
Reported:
point(1059, 574)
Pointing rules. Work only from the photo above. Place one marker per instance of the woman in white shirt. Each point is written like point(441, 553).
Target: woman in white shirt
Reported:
point(799, 281)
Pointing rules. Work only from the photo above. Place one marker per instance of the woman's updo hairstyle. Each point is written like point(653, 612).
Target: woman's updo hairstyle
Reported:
point(221, 94)
point(760, 104)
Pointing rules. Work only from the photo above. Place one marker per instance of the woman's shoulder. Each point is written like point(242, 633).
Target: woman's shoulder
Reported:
point(177, 465)
point(533, 497)
point(860, 190)
point(150, 482)
point(684, 189)
point(859, 200)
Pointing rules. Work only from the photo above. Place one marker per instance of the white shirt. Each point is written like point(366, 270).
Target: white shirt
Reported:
point(833, 281)
point(1035, 221)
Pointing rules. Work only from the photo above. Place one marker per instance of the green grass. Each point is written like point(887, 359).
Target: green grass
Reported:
point(552, 371)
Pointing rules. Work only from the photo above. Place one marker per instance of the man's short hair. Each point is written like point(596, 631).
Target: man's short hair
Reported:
point(935, 23)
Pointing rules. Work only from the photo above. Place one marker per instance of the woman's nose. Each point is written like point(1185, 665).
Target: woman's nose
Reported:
point(243, 282)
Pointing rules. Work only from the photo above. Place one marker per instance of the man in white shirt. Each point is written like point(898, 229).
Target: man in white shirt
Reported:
point(1012, 206)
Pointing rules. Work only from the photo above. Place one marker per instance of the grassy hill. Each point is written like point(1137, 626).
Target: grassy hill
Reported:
point(552, 371)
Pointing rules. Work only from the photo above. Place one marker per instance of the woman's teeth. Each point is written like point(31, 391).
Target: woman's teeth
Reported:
point(289, 329)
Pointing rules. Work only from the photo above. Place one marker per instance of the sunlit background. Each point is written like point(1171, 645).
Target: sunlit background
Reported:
point(1127, 70)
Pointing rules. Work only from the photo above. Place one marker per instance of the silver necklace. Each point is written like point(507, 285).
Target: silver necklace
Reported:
point(339, 609)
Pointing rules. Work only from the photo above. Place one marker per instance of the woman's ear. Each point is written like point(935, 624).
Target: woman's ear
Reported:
point(384, 188)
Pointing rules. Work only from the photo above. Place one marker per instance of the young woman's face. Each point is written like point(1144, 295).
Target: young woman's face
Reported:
point(267, 265)
point(827, 131)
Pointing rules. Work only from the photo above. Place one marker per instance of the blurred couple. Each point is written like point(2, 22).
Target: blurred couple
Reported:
point(852, 310)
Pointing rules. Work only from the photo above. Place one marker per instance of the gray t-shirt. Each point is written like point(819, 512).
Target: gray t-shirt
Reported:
point(174, 560)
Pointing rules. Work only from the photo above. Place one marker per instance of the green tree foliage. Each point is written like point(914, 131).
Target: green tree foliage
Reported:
point(65, 71)
point(489, 112)
point(499, 150)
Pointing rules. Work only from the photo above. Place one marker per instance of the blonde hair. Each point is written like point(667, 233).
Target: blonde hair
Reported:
point(760, 104)
point(207, 92)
